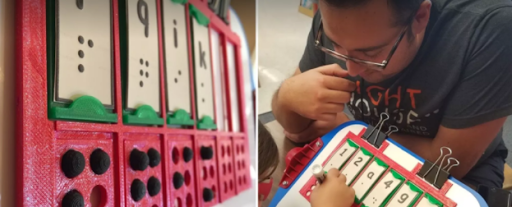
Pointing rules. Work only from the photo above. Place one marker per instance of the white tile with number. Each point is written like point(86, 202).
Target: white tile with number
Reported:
point(84, 51)
point(340, 156)
point(370, 175)
point(218, 76)
point(143, 61)
point(404, 197)
point(203, 70)
point(176, 56)
point(382, 190)
point(355, 165)
point(233, 89)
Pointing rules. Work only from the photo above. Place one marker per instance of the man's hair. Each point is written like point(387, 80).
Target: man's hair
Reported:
point(404, 9)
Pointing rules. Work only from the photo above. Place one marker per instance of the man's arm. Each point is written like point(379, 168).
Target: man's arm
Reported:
point(467, 144)
point(289, 120)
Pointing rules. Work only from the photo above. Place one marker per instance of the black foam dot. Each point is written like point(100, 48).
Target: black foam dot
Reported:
point(147, 75)
point(154, 186)
point(175, 80)
point(141, 73)
point(137, 190)
point(73, 198)
point(154, 157)
point(207, 194)
point(99, 161)
point(203, 100)
point(141, 83)
point(141, 61)
point(91, 43)
point(73, 163)
point(174, 21)
point(139, 160)
point(179, 72)
point(177, 180)
point(81, 39)
point(81, 54)
point(81, 68)
point(147, 63)
point(188, 154)
point(206, 153)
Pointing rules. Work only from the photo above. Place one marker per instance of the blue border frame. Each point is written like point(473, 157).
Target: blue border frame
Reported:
point(281, 192)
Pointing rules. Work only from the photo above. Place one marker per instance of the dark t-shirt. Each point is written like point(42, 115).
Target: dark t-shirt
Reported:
point(460, 77)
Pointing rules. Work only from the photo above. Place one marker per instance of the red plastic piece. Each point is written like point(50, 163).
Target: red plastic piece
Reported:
point(185, 195)
point(40, 142)
point(206, 171)
point(291, 154)
point(299, 162)
point(86, 181)
point(142, 142)
point(243, 163)
point(226, 168)
point(306, 190)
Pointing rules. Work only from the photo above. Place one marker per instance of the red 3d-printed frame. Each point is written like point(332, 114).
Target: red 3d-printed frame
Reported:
point(40, 141)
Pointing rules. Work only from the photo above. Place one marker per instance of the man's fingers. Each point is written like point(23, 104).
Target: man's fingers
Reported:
point(337, 83)
point(326, 117)
point(333, 96)
point(333, 70)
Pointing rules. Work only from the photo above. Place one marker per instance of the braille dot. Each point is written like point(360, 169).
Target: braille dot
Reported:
point(177, 180)
point(141, 61)
point(81, 54)
point(207, 195)
point(154, 186)
point(147, 75)
point(147, 64)
point(99, 161)
point(175, 80)
point(154, 157)
point(206, 153)
point(91, 43)
point(81, 39)
point(72, 163)
point(73, 198)
point(138, 160)
point(179, 72)
point(137, 190)
point(141, 73)
point(141, 84)
point(81, 68)
point(188, 154)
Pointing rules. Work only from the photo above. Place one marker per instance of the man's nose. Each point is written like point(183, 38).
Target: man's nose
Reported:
point(354, 69)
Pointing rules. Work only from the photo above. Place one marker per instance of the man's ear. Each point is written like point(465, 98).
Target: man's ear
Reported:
point(420, 20)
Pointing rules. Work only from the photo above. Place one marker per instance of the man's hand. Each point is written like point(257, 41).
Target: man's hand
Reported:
point(317, 129)
point(333, 192)
point(318, 94)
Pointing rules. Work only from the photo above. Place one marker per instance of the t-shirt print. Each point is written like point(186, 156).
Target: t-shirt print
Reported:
point(400, 103)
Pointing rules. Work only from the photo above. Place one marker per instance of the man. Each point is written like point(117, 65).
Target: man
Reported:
point(441, 69)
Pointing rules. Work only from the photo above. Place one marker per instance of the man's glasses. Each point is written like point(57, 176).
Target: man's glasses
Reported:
point(367, 64)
